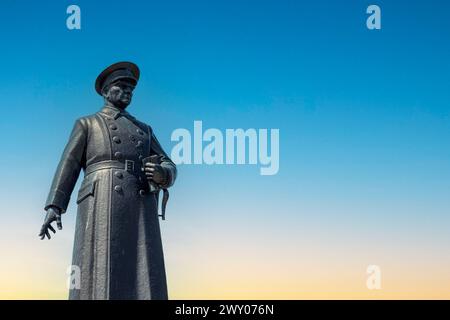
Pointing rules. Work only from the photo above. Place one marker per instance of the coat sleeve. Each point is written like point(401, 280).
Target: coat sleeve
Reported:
point(69, 167)
point(167, 164)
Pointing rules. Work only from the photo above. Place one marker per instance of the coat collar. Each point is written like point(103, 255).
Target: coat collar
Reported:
point(115, 112)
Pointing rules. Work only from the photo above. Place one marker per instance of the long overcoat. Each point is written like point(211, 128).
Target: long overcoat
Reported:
point(117, 246)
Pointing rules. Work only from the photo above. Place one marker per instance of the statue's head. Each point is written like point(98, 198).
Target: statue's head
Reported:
point(117, 82)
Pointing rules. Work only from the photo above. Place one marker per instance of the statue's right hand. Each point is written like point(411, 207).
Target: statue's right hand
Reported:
point(53, 214)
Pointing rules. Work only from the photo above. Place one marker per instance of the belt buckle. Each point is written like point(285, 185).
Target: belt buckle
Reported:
point(129, 165)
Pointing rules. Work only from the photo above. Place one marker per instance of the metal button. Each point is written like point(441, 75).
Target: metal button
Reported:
point(118, 188)
point(118, 155)
point(139, 144)
point(118, 174)
point(116, 139)
point(113, 127)
point(142, 192)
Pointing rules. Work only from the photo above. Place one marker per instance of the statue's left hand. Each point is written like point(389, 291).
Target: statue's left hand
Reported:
point(53, 214)
point(155, 172)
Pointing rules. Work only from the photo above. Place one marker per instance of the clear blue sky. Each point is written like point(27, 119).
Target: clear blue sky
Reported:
point(363, 115)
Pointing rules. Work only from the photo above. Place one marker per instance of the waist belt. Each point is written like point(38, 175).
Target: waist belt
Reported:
point(129, 165)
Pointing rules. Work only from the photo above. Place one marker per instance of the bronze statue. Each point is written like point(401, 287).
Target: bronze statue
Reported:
point(117, 244)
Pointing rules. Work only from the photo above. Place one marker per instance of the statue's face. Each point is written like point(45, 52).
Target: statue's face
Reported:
point(120, 94)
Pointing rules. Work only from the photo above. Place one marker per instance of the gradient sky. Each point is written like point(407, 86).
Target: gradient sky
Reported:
point(364, 141)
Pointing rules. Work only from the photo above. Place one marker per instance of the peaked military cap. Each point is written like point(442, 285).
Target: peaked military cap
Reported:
point(127, 71)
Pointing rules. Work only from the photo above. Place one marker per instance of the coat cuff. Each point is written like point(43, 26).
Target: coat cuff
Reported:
point(170, 176)
point(57, 198)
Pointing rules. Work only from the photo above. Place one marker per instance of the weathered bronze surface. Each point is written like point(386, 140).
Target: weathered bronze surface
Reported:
point(117, 239)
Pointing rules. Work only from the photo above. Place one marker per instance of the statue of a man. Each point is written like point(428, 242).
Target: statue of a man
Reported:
point(117, 246)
